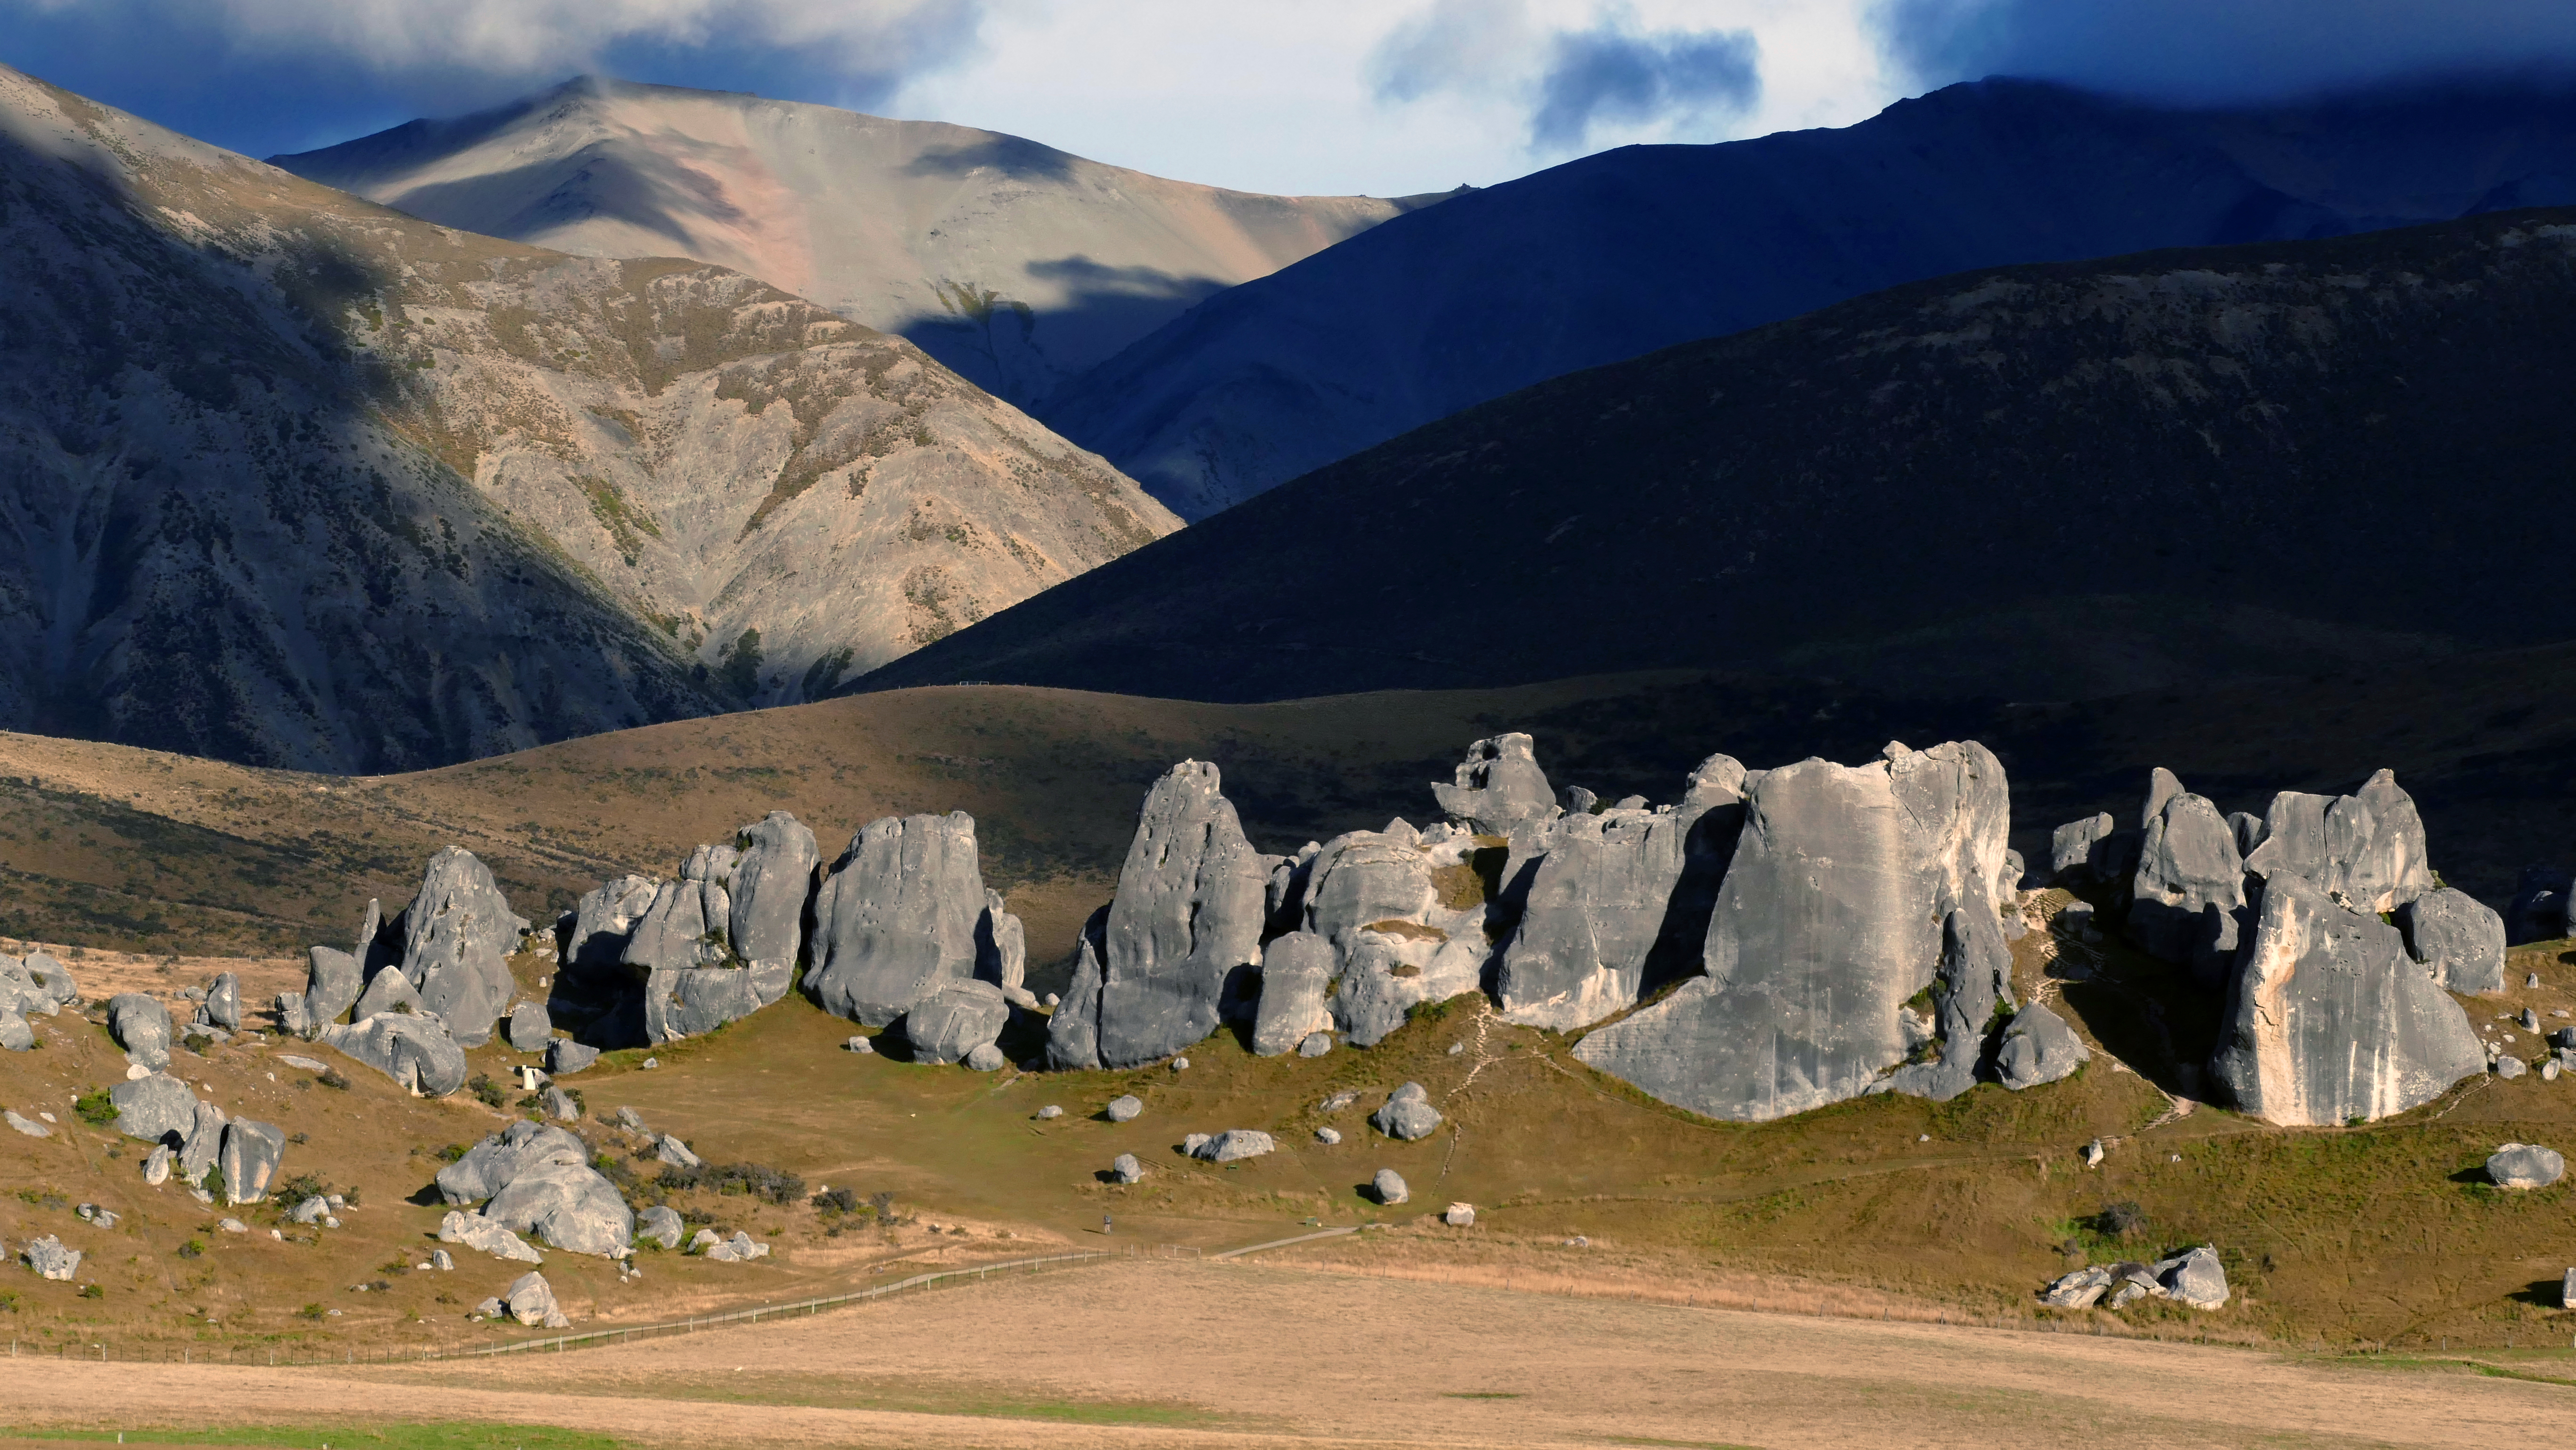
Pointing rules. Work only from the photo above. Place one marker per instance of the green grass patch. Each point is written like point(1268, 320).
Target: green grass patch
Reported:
point(442, 1435)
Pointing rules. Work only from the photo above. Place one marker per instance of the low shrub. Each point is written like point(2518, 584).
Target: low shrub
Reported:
point(95, 1107)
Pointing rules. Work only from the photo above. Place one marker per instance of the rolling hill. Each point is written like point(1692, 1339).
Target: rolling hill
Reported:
point(2049, 482)
point(295, 479)
point(1617, 254)
point(871, 218)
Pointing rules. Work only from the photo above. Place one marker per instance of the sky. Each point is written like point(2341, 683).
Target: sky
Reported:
point(1384, 97)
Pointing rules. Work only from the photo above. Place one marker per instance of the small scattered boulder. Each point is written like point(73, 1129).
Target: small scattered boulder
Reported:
point(2525, 1165)
point(484, 1236)
point(563, 1056)
point(1388, 1187)
point(204, 1143)
point(222, 1007)
point(1328, 1136)
point(661, 1224)
point(986, 1057)
point(2508, 1067)
point(28, 1126)
point(1125, 1109)
point(629, 1119)
point(530, 1029)
point(156, 1167)
point(312, 1210)
point(16, 1033)
point(1050, 1112)
point(739, 1249)
point(418, 1053)
point(1125, 1169)
point(1233, 1144)
point(1459, 1215)
point(141, 1026)
point(1407, 1115)
point(2195, 1278)
point(441, 1260)
point(671, 1150)
point(51, 1260)
point(955, 1018)
point(1316, 1044)
point(531, 1301)
point(561, 1106)
point(154, 1107)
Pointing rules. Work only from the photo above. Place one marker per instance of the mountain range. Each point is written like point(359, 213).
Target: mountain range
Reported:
point(2044, 482)
point(292, 478)
point(1014, 263)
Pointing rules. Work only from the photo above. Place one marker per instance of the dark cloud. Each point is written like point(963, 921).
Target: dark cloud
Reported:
point(1609, 73)
point(2226, 50)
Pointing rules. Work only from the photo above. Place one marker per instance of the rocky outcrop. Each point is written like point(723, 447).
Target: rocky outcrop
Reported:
point(2038, 1047)
point(48, 1256)
point(603, 925)
point(1604, 895)
point(154, 1108)
point(1191, 903)
point(2328, 1021)
point(458, 934)
point(222, 1008)
point(415, 1051)
point(660, 1223)
point(567, 1205)
point(1498, 786)
point(530, 1028)
point(1829, 919)
point(773, 882)
point(2187, 894)
point(2195, 1278)
point(389, 991)
point(489, 1166)
point(2365, 850)
point(203, 1143)
point(141, 1026)
point(1233, 1145)
point(249, 1160)
point(484, 1236)
point(2460, 938)
point(1002, 952)
point(531, 1301)
point(1296, 971)
point(1974, 983)
point(1404, 915)
point(952, 1022)
point(333, 980)
point(896, 919)
point(1073, 1032)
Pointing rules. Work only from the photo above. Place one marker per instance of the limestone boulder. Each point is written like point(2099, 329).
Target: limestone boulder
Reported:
point(563, 1055)
point(1234, 1145)
point(531, 1301)
point(51, 1259)
point(482, 1235)
point(2329, 1021)
point(491, 1165)
point(1959, 806)
point(16, 1033)
point(156, 1165)
point(157, 1108)
point(986, 1058)
point(1002, 951)
point(567, 1205)
point(661, 1224)
point(458, 934)
point(1975, 981)
point(141, 1025)
point(2525, 1165)
point(1125, 1108)
point(956, 1019)
point(2038, 1047)
point(1191, 903)
point(684, 1002)
point(415, 1051)
point(530, 1028)
point(2187, 894)
point(772, 884)
point(249, 1160)
point(896, 919)
point(332, 982)
point(1125, 1169)
point(222, 1007)
point(1387, 1187)
point(2195, 1278)
point(388, 992)
point(2365, 851)
point(603, 925)
point(2460, 938)
point(1498, 786)
point(1296, 973)
point(1073, 1030)
point(687, 924)
point(559, 1105)
point(202, 1145)
point(1407, 1114)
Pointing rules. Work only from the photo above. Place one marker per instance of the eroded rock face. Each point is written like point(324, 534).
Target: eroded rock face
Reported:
point(896, 919)
point(154, 1108)
point(1975, 979)
point(2038, 1047)
point(604, 924)
point(483, 1235)
point(203, 1144)
point(1192, 898)
point(141, 1026)
point(2187, 894)
point(491, 1165)
point(1296, 970)
point(1002, 951)
point(530, 1028)
point(416, 1052)
point(249, 1160)
point(2365, 850)
point(333, 980)
point(1498, 786)
point(223, 1002)
point(949, 1024)
point(773, 880)
point(1824, 927)
point(686, 924)
point(2457, 936)
point(389, 992)
point(457, 938)
point(2329, 1021)
point(1073, 1033)
point(567, 1205)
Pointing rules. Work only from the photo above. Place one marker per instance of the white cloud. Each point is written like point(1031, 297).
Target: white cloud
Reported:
point(529, 36)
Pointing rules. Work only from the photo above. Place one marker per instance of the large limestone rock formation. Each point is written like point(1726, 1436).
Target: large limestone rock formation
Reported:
point(2038, 1047)
point(1002, 952)
point(1073, 1033)
point(1296, 970)
point(2187, 894)
point(604, 923)
point(2459, 937)
point(1975, 981)
point(1498, 786)
point(415, 1051)
point(457, 938)
point(154, 1107)
point(685, 925)
point(249, 1159)
point(1828, 921)
point(489, 1166)
point(773, 880)
point(950, 1023)
point(896, 920)
point(2329, 1021)
point(1192, 899)
point(1605, 894)
point(1405, 919)
point(2365, 850)
point(141, 1026)
point(568, 1205)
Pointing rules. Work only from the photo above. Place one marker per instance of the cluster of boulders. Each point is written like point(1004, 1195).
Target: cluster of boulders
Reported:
point(35, 985)
point(2194, 1277)
point(2325, 929)
point(534, 1181)
point(191, 1138)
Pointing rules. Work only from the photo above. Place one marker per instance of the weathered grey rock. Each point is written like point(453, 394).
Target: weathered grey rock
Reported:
point(2539, 908)
point(1828, 920)
point(441, 1260)
point(954, 1020)
point(51, 1260)
point(531, 1301)
point(630, 1120)
point(671, 1150)
point(16, 1035)
point(53, 978)
point(156, 1166)
point(530, 1028)
point(604, 924)
point(2509, 1067)
point(249, 1160)
point(1407, 1114)
point(1498, 786)
point(687, 924)
point(416, 1052)
point(484, 1236)
point(311, 1211)
point(1125, 1109)
point(1002, 951)
point(223, 1002)
point(457, 937)
point(28, 1126)
point(1233, 1145)
point(141, 1026)
point(1959, 805)
point(1388, 1187)
point(1073, 1032)
point(565, 1056)
point(157, 1108)
point(388, 993)
point(19, 993)
point(661, 1224)
point(567, 1205)
point(561, 1106)
point(2529, 1019)
point(2195, 1278)
point(2328, 1021)
point(2459, 937)
point(739, 1249)
point(1328, 1136)
point(1296, 973)
point(2248, 829)
point(896, 919)
point(2525, 1165)
point(859, 1044)
point(201, 1150)
point(2162, 787)
point(986, 1058)
point(1315, 1044)
point(2187, 895)
point(2365, 850)
point(1459, 1215)
point(1192, 898)
point(1126, 1169)
point(332, 982)
point(773, 881)
point(1975, 980)
point(682, 1002)
point(1050, 1113)
point(2038, 1047)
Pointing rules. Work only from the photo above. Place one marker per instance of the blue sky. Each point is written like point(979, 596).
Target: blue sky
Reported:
point(1377, 96)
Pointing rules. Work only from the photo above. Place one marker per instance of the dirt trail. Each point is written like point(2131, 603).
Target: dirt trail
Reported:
point(1242, 1355)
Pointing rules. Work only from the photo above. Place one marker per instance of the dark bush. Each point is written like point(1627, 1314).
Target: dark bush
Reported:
point(488, 1091)
point(2119, 1220)
point(835, 1201)
point(330, 1078)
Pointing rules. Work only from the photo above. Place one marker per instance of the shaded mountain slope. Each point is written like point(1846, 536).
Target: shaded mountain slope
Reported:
point(859, 213)
point(292, 479)
point(2043, 482)
point(1617, 254)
